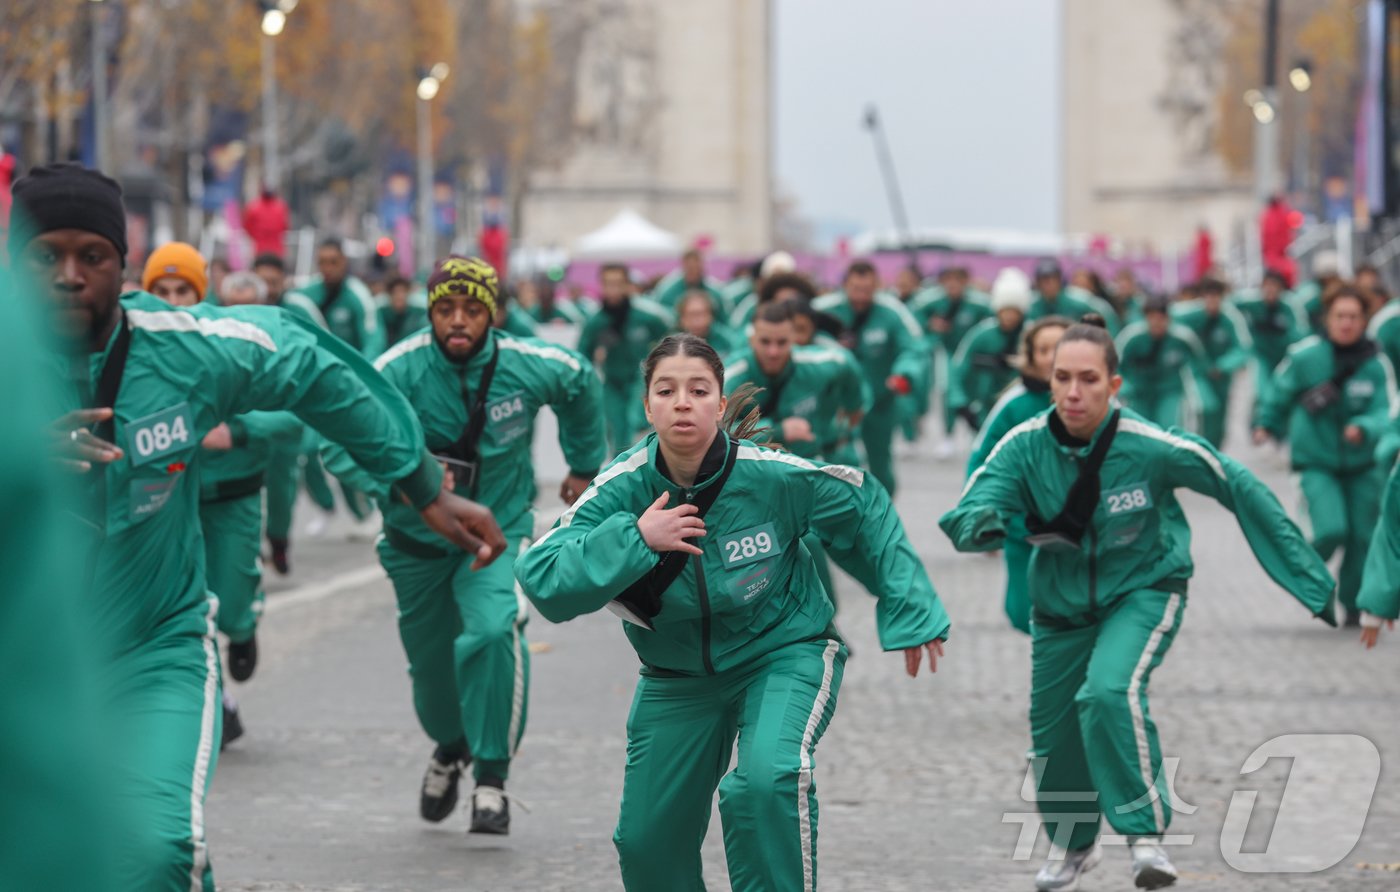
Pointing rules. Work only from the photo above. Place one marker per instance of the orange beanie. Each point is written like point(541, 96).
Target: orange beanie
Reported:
point(180, 260)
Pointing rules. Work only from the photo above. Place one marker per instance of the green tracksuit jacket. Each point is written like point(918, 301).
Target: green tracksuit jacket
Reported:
point(980, 369)
point(887, 341)
point(1072, 303)
point(1225, 338)
point(1380, 582)
point(1339, 482)
point(961, 315)
point(819, 383)
point(617, 341)
point(188, 370)
point(1019, 402)
point(1273, 327)
point(743, 648)
point(519, 323)
point(672, 287)
point(1105, 613)
point(1164, 381)
point(230, 513)
point(397, 326)
point(351, 315)
point(462, 630)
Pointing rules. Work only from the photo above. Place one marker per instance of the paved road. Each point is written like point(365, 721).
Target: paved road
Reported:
point(915, 776)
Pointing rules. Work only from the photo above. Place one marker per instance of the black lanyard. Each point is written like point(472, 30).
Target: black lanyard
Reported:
point(109, 383)
point(463, 455)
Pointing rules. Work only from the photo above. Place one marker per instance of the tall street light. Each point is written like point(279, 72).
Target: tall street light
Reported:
point(99, 85)
point(892, 191)
point(1266, 148)
point(429, 83)
point(274, 20)
point(1300, 77)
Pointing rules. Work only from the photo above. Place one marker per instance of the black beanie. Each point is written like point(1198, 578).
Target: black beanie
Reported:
point(67, 196)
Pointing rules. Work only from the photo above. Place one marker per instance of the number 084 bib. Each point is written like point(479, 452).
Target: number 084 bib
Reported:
point(156, 436)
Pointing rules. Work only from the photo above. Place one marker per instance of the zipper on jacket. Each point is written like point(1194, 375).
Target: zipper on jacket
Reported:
point(704, 592)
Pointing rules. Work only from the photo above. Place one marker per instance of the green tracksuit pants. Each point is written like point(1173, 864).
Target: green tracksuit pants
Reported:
point(1017, 556)
point(877, 435)
point(680, 735)
point(164, 701)
point(464, 634)
point(283, 480)
point(233, 562)
point(1213, 420)
point(1340, 511)
point(1090, 720)
point(621, 402)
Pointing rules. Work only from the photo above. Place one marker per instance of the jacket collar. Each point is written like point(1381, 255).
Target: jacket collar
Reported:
point(1070, 444)
point(710, 466)
point(476, 362)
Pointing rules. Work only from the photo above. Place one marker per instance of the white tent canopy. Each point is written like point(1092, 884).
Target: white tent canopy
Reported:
point(628, 236)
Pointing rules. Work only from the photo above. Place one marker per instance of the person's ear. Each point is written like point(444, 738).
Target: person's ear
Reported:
point(1114, 384)
point(646, 405)
point(723, 404)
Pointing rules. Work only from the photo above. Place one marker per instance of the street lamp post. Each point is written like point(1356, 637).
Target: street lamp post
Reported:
point(896, 198)
point(429, 83)
point(1300, 77)
point(1265, 108)
point(274, 19)
point(99, 85)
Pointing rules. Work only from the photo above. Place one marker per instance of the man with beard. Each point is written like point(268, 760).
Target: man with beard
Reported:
point(160, 379)
point(476, 390)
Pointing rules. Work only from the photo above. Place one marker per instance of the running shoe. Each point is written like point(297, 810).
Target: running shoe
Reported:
point(1151, 867)
point(1063, 868)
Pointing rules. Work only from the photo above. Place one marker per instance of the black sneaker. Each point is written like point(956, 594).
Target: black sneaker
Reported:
point(280, 561)
point(490, 811)
point(439, 795)
point(233, 725)
point(1351, 618)
point(242, 658)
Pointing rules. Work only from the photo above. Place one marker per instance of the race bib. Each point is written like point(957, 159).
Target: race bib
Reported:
point(508, 417)
point(156, 436)
point(1134, 497)
point(749, 546)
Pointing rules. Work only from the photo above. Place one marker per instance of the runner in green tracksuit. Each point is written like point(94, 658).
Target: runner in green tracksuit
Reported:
point(673, 286)
point(511, 318)
point(1275, 323)
point(1331, 401)
point(740, 646)
point(1224, 335)
point(1019, 402)
point(1109, 583)
point(1054, 298)
point(1163, 367)
point(616, 339)
point(56, 827)
point(341, 304)
point(695, 315)
point(946, 313)
point(811, 401)
point(399, 317)
point(184, 372)
point(464, 632)
point(284, 462)
point(981, 367)
point(887, 341)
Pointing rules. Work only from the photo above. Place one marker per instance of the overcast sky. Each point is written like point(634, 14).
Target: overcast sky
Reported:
point(967, 90)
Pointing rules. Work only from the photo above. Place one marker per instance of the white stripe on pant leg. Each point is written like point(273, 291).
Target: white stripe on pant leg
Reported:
point(1305, 524)
point(1135, 707)
point(804, 774)
point(517, 694)
point(200, 859)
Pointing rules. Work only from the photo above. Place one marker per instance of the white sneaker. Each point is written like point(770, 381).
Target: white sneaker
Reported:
point(1063, 868)
point(318, 524)
point(1151, 867)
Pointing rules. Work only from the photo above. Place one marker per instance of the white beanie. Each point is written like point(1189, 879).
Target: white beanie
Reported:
point(1326, 263)
point(1011, 290)
point(777, 262)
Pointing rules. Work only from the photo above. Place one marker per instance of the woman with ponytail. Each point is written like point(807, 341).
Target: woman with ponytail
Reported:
point(694, 537)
